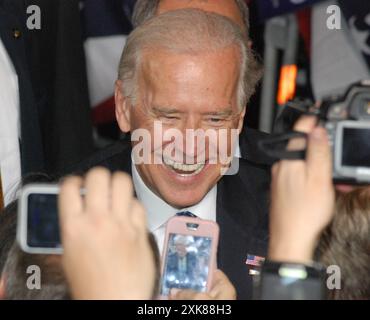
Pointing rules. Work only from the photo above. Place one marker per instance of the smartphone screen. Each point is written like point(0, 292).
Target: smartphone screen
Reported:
point(187, 263)
point(43, 222)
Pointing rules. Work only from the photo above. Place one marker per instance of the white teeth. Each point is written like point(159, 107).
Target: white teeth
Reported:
point(193, 168)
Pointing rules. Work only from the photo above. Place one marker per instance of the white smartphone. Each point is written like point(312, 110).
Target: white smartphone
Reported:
point(189, 255)
point(38, 220)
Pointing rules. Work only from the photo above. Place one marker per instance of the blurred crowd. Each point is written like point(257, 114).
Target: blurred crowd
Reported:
point(80, 94)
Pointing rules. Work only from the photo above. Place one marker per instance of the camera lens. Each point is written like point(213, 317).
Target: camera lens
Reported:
point(360, 107)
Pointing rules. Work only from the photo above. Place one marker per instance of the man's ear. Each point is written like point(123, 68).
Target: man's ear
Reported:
point(2, 287)
point(241, 120)
point(122, 108)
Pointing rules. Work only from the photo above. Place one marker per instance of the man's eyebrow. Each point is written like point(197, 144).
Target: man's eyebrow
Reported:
point(222, 113)
point(164, 110)
point(228, 111)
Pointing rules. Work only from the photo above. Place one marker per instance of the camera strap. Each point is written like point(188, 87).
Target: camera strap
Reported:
point(275, 146)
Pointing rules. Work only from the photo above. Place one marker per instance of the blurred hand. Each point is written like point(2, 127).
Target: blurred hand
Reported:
point(106, 249)
point(222, 289)
point(302, 202)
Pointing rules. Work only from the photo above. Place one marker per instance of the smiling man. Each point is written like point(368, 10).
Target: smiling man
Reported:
point(185, 92)
point(238, 12)
point(190, 71)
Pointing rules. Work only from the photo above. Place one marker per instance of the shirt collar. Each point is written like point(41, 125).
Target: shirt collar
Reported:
point(160, 211)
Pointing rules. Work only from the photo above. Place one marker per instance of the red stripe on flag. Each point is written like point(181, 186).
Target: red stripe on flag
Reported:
point(104, 112)
point(304, 23)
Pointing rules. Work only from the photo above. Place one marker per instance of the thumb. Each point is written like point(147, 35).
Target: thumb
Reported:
point(222, 288)
point(318, 158)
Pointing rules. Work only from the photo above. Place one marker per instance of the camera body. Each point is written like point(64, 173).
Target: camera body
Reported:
point(347, 121)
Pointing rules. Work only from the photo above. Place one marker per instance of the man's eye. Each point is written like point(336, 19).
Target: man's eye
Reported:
point(169, 118)
point(215, 120)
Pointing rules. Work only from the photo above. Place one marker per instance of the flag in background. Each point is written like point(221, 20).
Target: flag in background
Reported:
point(106, 24)
point(272, 8)
point(357, 13)
point(339, 56)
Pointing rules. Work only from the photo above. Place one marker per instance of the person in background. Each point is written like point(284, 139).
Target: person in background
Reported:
point(345, 242)
point(235, 10)
point(308, 222)
point(44, 107)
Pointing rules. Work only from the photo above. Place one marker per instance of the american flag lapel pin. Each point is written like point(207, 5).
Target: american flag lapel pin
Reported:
point(254, 262)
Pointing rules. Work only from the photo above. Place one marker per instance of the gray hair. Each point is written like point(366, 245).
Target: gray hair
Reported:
point(187, 31)
point(146, 9)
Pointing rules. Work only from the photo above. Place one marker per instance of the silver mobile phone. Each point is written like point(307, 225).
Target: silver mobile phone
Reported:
point(38, 221)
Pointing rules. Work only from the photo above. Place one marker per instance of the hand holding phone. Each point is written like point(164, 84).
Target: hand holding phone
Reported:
point(107, 254)
point(190, 253)
point(106, 249)
point(38, 222)
point(221, 289)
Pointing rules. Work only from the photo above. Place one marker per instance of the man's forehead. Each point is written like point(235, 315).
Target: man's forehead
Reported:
point(227, 8)
point(163, 70)
point(157, 59)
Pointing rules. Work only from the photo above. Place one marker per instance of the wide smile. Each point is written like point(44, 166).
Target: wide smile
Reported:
point(182, 169)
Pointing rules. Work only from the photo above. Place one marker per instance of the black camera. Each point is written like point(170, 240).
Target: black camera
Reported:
point(347, 120)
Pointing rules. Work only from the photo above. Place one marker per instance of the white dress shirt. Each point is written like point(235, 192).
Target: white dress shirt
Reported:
point(237, 153)
point(158, 211)
point(10, 166)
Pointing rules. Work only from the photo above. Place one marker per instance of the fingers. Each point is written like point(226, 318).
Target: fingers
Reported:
point(122, 194)
point(319, 164)
point(69, 201)
point(222, 288)
point(97, 184)
point(104, 193)
point(275, 169)
point(176, 294)
point(124, 206)
point(304, 124)
point(138, 217)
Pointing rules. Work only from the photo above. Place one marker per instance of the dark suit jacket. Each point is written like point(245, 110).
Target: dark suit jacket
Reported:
point(57, 63)
point(54, 106)
point(32, 152)
point(249, 150)
point(242, 210)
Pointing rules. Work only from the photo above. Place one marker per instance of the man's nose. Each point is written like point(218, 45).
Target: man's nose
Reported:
point(193, 139)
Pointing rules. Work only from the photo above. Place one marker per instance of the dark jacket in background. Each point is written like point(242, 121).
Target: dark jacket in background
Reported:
point(54, 106)
point(58, 64)
point(12, 35)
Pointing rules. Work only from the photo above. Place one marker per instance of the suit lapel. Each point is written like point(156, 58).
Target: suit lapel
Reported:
point(241, 215)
